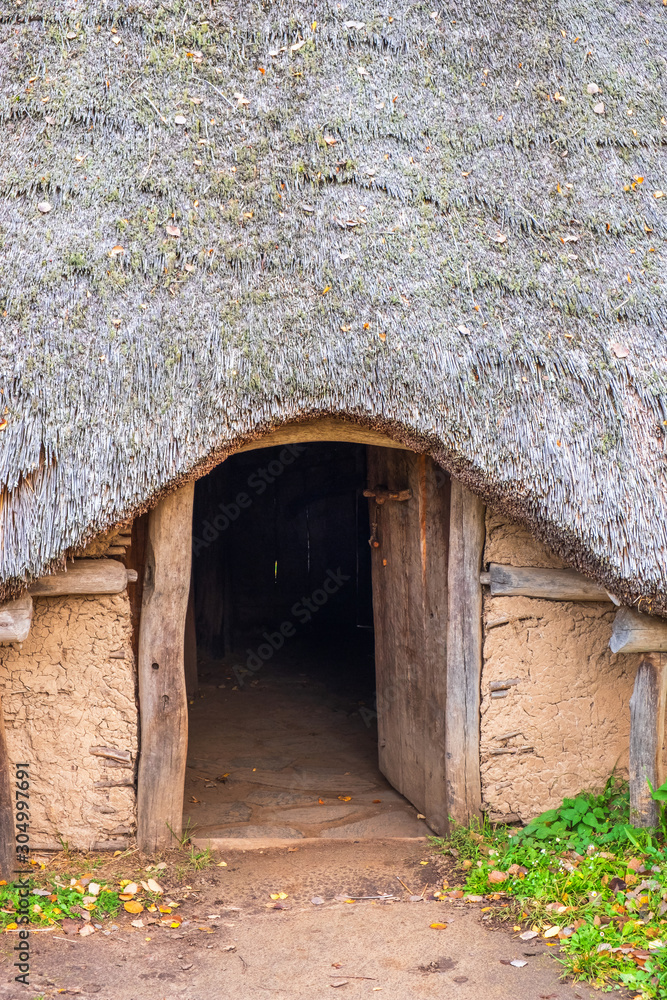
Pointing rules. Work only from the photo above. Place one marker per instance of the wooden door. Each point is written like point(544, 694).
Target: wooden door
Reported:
point(409, 568)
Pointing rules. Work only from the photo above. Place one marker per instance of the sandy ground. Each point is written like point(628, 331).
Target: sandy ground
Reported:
point(233, 945)
point(287, 754)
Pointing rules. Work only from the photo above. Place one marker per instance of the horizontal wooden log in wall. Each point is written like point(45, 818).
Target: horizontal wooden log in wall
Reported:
point(15, 619)
point(634, 632)
point(551, 584)
point(85, 576)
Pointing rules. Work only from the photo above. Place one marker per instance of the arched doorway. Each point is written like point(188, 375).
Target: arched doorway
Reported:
point(412, 511)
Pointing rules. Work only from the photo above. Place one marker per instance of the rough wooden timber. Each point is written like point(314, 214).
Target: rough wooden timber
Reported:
point(85, 576)
point(15, 620)
point(552, 584)
point(323, 429)
point(409, 572)
point(647, 733)
point(9, 806)
point(464, 654)
point(634, 632)
point(162, 696)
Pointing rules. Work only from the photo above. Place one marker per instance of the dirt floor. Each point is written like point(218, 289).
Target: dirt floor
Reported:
point(236, 942)
point(290, 752)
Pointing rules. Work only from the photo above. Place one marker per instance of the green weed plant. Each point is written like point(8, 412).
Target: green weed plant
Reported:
point(585, 879)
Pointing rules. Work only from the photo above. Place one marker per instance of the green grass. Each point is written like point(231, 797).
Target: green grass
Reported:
point(596, 885)
point(61, 902)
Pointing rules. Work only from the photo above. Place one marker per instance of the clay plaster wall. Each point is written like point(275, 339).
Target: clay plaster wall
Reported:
point(63, 693)
point(567, 720)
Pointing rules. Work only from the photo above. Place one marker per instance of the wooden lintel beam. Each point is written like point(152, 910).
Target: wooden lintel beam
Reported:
point(549, 584)
point(634, 632)
point(85, 576)
point(647, 731)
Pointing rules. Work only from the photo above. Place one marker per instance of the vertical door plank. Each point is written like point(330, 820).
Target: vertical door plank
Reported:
point(190, 644)
point(162, 696)
point(464, 654)
point(410, 613)
point(647, 733)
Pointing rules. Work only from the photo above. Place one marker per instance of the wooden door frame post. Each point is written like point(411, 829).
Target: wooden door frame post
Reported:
point(647, 732)
point(163, 705)
point(467, 531)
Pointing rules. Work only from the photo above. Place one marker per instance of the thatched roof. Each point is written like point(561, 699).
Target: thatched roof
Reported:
point(415, 215)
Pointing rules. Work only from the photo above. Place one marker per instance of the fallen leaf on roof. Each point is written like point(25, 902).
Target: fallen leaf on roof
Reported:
point(241, 100)
point(298, 45)
point(330, 141)
point(173, 231)
point(620, 350)
point(656, 194)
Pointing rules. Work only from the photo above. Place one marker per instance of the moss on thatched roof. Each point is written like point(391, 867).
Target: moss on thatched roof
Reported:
point(440, 220)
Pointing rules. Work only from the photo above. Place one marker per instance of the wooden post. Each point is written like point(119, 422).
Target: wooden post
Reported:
point(464, 654)
point(647, 731)
point(190, 645)
point(162, 696)
point(8, 857)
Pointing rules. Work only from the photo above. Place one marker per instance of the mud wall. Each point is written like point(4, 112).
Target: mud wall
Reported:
point(565, 724)
point(68, 688)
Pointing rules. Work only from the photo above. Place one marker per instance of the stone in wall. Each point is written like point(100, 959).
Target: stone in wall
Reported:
point(565, 725)
point(63, 693)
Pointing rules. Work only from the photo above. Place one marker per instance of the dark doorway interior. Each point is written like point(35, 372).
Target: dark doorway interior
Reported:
point(283, 734)
point(281, 560)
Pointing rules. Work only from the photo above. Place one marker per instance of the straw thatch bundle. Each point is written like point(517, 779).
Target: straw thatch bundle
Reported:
point(441, 221)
